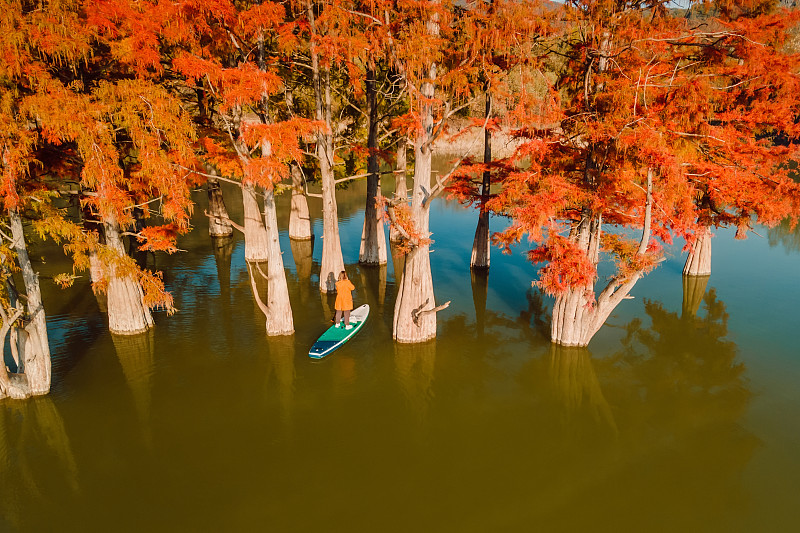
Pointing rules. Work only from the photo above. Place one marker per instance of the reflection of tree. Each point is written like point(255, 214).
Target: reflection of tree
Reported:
point(694, 289)
point(575, 385)
point(689, 352)
point(681, 395)
point(373, 279)
point(480, 289)
point(783, 234)
point(136, 356)
point(414, 368)
point(223, 250)
point(33, 444)
point(281, 372)
point(535, 316)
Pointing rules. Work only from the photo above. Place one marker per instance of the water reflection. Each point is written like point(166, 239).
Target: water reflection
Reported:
point(280, 373)
point(373, 279)
point(574, 384)
point(694, 290)
point(784, 235)
point(36, 462)
point(414, 366)
point(480, 289)
point(136, 354)
point(223, 251)
point(302, 252)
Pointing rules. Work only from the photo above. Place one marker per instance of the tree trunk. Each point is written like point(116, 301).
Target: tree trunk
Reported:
point(373, 237)
point(415, 309)
point(279, 309)
point(219, 224)
point(577, 315)
point(36, 352)
point(92, 223)
point(698, 263)
point(255, 235)
point(300, 228)
point(482, 243)
point(127, 312)
point(332, 261)
point(16, 388)
point(400, 187)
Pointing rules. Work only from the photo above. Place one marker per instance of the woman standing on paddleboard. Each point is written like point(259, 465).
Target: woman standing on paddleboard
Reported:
point(344, 300)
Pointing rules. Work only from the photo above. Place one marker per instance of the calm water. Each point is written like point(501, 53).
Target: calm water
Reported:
point(682, 415)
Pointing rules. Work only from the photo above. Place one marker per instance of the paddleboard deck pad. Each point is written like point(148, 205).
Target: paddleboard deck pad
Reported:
point(334, 337)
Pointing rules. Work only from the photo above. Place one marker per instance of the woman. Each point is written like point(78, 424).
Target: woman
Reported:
point(344, 300)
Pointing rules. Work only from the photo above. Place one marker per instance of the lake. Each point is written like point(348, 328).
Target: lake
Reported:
point(682, 415)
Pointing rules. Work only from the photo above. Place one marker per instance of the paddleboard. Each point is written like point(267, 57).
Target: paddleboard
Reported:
point(335, 337)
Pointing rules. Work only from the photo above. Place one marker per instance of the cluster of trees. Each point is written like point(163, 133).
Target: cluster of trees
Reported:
point(624, 114)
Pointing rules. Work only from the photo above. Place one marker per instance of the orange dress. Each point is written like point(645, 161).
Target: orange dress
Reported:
point(344, 295)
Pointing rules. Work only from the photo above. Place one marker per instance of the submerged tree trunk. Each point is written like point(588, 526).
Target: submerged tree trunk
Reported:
point(415, 309)
point(300, 227)
point(279, 309)
point(577, 315)
point(698, 263)
point(127, 312)
point(299, 217)
point(255, 235)
point(35, 346)
point(92, 223)
point(373, 237)
point(219, 224)
point(482, 243)
point(332, 261)
point(400, 187)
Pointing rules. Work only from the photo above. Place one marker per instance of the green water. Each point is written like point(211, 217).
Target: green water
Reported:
point(671, 420)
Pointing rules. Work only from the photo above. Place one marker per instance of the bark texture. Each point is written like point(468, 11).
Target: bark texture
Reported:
point(415, 308)
point(127, 312)
point(400, 186)
point(255, 234)
point(373, 236)
point(32, 347)
point(279, 309)
point(413, 319)
point(481, 245)
point(332, 261)
point(698, 263)
point(577, 315)
point(219, 224)
point(299, 216)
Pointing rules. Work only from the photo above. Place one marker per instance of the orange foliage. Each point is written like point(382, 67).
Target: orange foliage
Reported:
point(710, 109)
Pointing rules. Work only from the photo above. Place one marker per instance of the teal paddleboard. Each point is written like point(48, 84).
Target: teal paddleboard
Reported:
point(335, 337)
